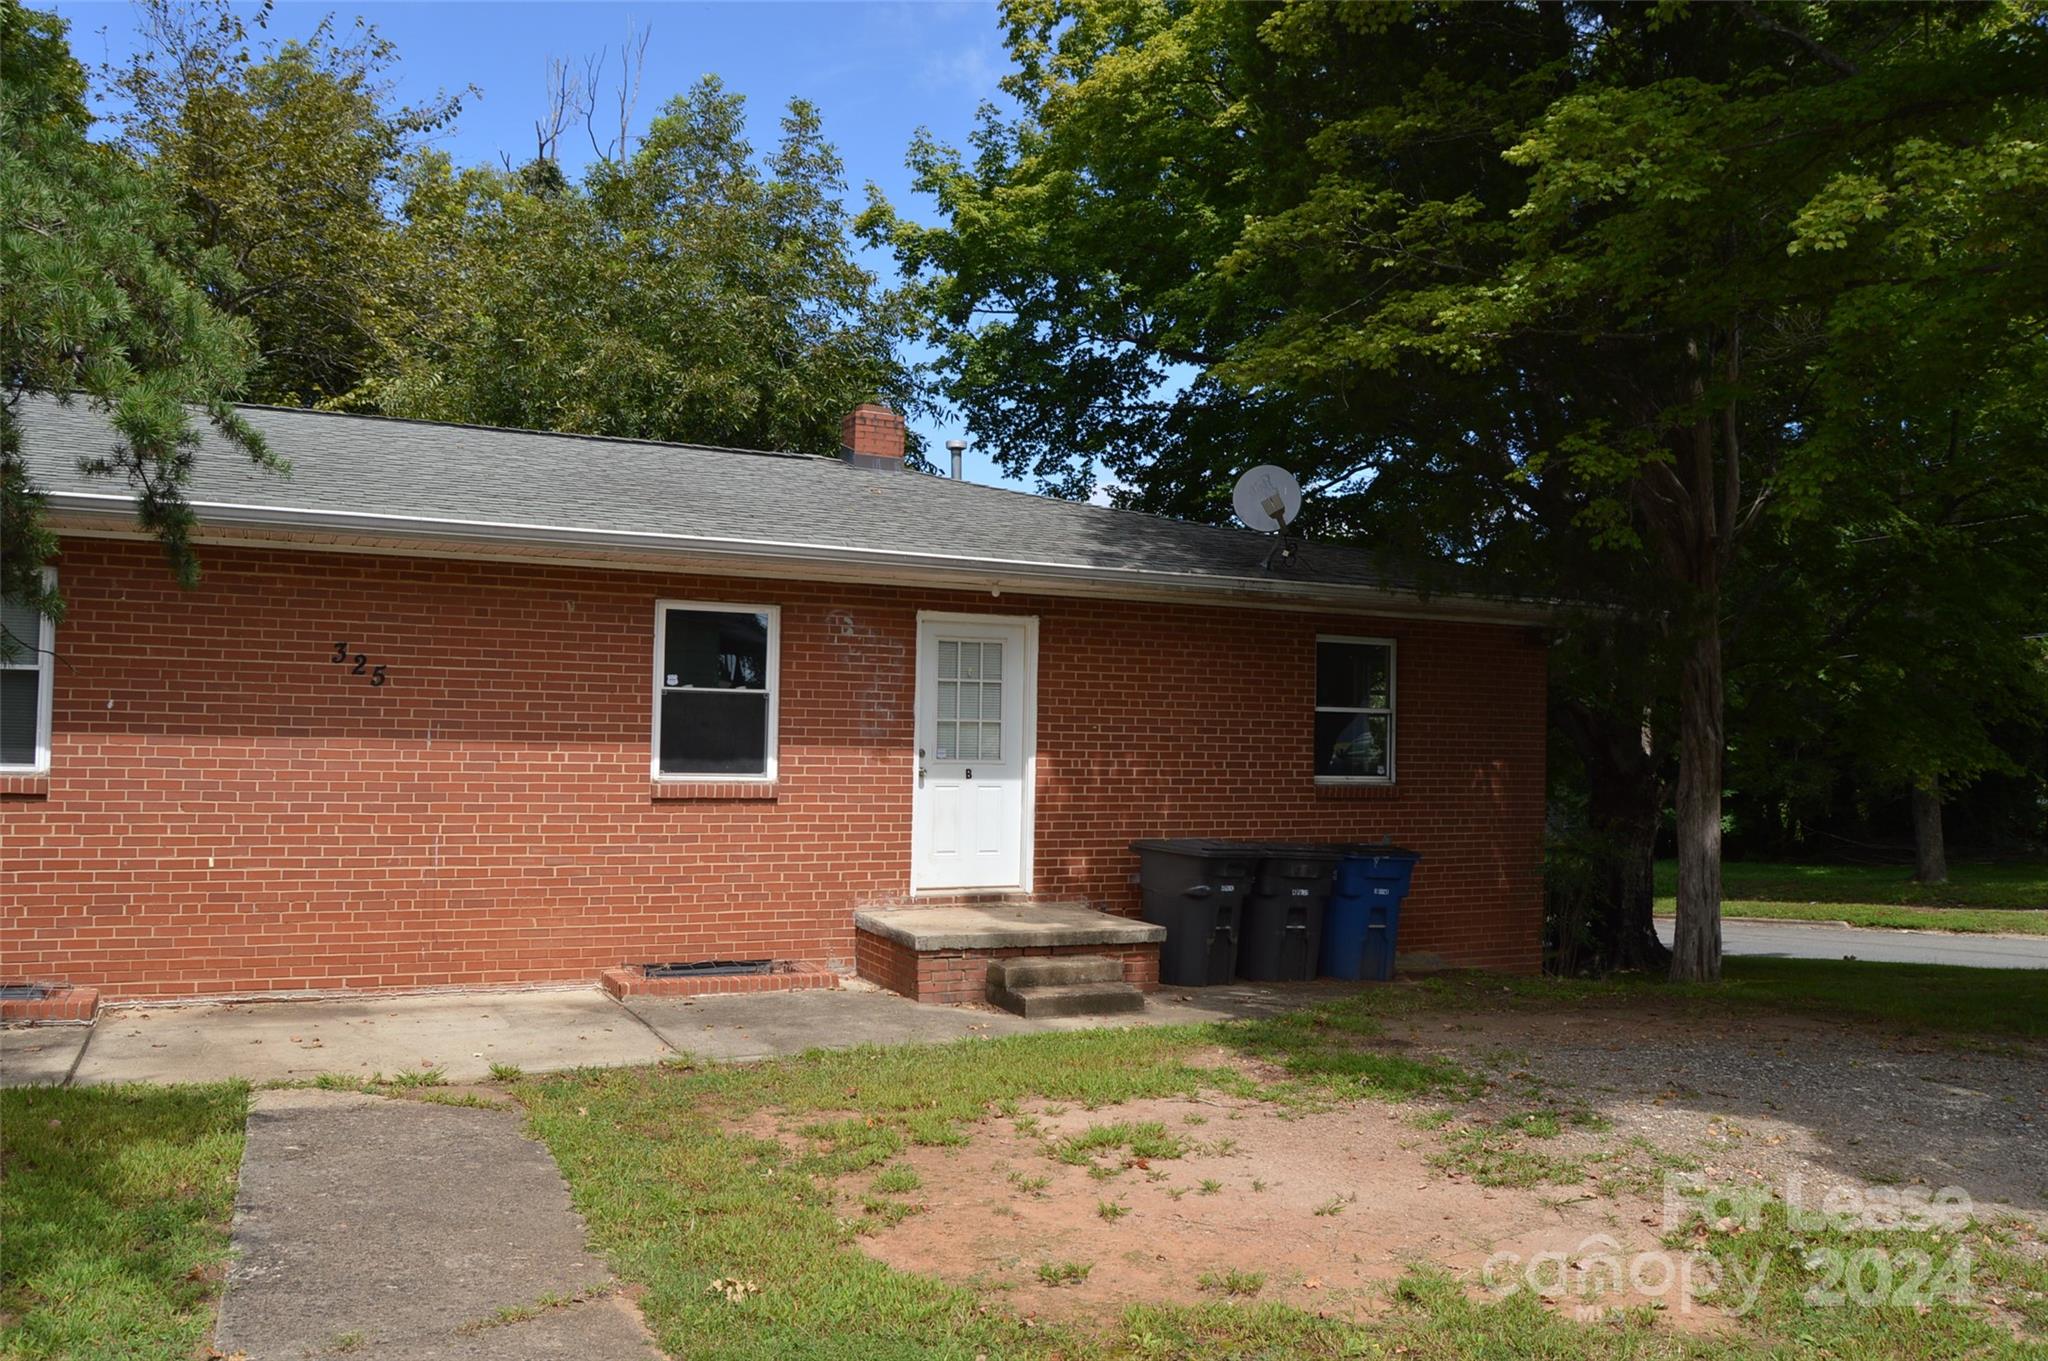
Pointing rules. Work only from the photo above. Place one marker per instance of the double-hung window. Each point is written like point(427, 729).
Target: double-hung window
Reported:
point(714, 690)
point(26, 670)
point(1355, 710)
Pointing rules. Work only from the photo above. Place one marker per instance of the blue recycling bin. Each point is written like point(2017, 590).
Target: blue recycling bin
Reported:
point(1364, 913)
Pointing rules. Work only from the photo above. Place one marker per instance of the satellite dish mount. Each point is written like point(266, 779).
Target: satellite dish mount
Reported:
point(1268, 499)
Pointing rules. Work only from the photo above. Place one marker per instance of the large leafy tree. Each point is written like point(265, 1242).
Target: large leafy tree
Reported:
point(1896, 639)
point(283, 154)
point(687, 288)
point(1571, 291)
point(103, 299)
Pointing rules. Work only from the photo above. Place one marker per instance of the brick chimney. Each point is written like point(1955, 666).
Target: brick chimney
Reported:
point(871, 436)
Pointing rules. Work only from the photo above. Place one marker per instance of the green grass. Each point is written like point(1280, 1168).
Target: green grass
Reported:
point(1930, 998)
point(1145, 1139)
point(1030, 1186)
point(1232, 1282)
point(510, 1314)
point(1498, 1155)
point(895, 1181)
point(2005, 897)
point(1323, 1049)
point(1969, 920)
point(1535, 1124)
point(1933, 999)
point(1896, 1311)
point(114, 1205)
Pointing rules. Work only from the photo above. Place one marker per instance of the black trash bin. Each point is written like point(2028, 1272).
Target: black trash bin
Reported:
point(1194, 888)
point(1282, 934)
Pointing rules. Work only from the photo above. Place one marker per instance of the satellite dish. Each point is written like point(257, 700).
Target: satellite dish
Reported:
point(1267, 498)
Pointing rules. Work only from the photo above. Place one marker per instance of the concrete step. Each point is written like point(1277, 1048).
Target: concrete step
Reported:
point(1054, 970)
point(1069, 999)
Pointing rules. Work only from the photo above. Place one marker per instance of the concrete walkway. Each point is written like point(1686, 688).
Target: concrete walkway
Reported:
point(464, 1034)
point(401, 1230)
point(1826, 940)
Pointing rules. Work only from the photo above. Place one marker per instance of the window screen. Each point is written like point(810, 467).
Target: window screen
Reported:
point(1354, 710)
point(716, 691)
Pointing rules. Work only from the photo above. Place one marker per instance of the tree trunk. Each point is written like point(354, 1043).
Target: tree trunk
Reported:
point(1631, 931)
point(1930, 851)
point(1623, 804)
point(1696, 936)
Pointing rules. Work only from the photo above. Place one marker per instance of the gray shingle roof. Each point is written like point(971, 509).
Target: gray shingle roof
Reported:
point(346, 468)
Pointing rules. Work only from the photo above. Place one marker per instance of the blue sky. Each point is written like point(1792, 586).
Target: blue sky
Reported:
point(877, 70)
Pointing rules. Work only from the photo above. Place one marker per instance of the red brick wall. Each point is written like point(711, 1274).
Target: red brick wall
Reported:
point(229, 811)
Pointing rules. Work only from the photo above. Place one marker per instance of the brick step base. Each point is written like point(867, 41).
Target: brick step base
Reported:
point(944, 954)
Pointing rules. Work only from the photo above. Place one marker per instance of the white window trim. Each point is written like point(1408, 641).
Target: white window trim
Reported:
point(46, 675)
point(659, 677)
point(1392, 711)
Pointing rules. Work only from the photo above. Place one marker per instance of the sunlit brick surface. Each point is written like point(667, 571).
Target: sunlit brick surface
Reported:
point(228, 810)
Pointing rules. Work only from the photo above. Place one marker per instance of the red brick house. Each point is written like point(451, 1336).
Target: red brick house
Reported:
point(462, 706)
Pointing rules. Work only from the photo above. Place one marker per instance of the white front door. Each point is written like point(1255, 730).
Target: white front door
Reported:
point(970, 814)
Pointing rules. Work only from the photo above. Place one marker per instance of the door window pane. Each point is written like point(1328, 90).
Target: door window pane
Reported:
point(970, 709)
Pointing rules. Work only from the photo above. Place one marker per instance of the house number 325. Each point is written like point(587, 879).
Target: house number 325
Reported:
point(361, 663)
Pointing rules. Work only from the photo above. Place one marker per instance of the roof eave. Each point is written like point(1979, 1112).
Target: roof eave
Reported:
point(112, 515)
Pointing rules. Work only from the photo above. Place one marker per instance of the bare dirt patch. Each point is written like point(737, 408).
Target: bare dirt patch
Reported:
point(1587, 1115)
point(1320, 1211)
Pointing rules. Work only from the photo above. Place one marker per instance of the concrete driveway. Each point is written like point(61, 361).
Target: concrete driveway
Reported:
point(1821, 940)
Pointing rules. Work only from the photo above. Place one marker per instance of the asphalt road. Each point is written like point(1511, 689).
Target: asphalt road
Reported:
point(1801, 940)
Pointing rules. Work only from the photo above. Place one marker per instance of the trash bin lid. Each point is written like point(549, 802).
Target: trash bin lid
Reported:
point(1302, 850)
point(1199, 846)
point(1381, 853)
